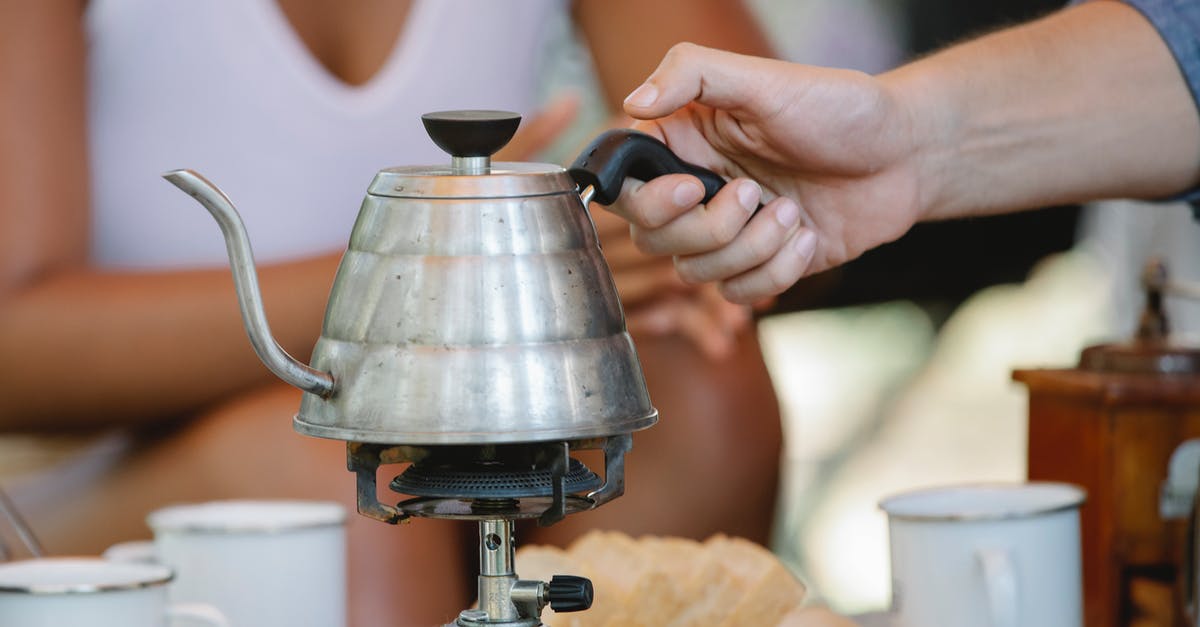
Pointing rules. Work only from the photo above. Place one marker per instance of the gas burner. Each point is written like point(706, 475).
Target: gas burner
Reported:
point(491, 480)
point(495, 485)
point(513, 481)
point(489, 509)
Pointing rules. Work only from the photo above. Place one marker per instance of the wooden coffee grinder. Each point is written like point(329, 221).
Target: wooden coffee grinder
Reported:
point(1125, 424)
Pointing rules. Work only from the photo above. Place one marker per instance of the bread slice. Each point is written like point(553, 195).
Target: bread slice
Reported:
point(615, 559)
point(677, 557)
point(670, 582)
point(771, 591)
point(814, 617)
point(712, 593)
point(542, 563)
point(539, 562)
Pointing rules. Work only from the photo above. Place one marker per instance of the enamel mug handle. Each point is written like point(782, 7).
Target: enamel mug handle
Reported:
point(1000, 586)
point(200, 612)
point(1187, 582)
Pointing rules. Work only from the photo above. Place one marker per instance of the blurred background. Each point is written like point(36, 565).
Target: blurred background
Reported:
point(894, 371)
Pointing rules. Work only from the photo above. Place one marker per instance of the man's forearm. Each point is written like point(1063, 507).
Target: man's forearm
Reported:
point(1087, 103)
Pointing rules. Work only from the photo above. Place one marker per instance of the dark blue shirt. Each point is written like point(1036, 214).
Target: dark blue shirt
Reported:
point(1178, 21)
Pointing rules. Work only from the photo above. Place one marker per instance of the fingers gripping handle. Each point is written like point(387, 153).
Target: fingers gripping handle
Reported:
point(625, 153)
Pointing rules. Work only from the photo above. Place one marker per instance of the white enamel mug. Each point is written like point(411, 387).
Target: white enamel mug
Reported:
point(53, 592)
point(998, 555)
point(263, 563)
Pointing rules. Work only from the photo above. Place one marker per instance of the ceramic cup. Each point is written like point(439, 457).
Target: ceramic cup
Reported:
point(134, 551)
point(263, 563)
point(1001, 555)
point(52, 592)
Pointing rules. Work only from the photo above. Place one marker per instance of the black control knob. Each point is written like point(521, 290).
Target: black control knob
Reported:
point(471, 133)
point(569, 593)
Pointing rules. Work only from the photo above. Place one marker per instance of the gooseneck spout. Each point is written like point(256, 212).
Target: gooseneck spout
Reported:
point(241, 262)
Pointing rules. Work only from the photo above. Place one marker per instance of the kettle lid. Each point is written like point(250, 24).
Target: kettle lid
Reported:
point(471, 137)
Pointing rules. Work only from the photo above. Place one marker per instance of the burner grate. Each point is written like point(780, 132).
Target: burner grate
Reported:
point(491, 481)
point(490, 509)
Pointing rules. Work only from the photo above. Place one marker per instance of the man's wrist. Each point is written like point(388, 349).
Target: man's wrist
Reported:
point(931, 123)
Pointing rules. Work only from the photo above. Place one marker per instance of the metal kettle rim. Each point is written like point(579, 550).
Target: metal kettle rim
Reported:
point(502, 180)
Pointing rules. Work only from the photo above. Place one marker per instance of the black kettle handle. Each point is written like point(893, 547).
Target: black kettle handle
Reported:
point(624, 152)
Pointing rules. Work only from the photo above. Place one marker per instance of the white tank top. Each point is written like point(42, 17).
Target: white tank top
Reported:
point(227, 88)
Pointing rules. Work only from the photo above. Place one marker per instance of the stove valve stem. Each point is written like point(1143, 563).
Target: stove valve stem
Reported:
point(564, 593)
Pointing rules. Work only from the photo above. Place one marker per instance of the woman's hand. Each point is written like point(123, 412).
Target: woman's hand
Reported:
point(832, 150)
point(658, 303)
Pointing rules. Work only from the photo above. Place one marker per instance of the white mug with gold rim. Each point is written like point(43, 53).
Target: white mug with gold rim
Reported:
point(990, 555)
point(266, 563)
point(58, 591)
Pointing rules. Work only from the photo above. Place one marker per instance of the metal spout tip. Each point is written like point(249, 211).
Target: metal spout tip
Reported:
point(190, 181)
point(176, 176)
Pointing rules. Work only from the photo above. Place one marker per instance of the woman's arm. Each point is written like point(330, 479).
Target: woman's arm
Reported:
point(83, 347)
point(628, 38)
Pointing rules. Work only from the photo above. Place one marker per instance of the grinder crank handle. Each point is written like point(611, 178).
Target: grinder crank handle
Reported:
point(624, 152)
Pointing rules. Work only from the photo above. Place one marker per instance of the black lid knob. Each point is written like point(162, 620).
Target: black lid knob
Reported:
point(569, 593)
point(471, 133)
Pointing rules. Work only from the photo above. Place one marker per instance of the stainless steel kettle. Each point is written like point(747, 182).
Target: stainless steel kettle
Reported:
point(473, 305)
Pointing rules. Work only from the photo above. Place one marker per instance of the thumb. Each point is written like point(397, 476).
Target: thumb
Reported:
point(716, 78)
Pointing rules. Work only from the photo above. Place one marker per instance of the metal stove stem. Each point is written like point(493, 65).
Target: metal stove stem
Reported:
point(511, 602)
point(496, 571)
point(501, 600)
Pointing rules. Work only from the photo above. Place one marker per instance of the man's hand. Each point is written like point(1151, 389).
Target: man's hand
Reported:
point(832, 150)
point(1085, 103)
point(658, 303)
point(656, 300)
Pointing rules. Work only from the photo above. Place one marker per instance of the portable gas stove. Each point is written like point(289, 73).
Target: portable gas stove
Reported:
point(497, 485)
point(474, 332)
